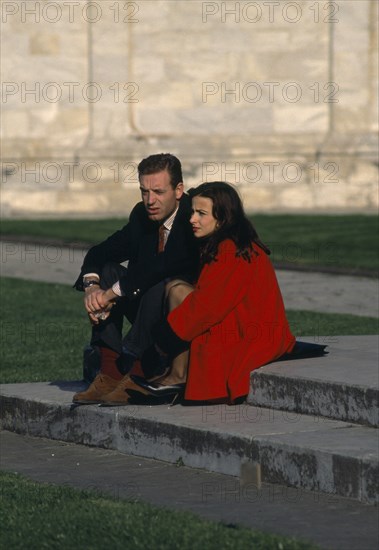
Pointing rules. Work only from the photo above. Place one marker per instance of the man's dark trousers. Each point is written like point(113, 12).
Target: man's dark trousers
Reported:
point(143, 313)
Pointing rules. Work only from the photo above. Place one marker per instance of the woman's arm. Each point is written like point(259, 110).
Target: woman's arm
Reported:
point(222, 285)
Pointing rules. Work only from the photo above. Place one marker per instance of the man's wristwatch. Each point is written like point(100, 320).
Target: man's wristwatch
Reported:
point(87, 284)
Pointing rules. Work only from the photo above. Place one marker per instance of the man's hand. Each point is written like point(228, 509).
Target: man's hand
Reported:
point(98, 303)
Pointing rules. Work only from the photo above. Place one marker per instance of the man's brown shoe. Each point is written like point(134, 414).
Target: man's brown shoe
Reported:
point(124, 392)
point(101, 386)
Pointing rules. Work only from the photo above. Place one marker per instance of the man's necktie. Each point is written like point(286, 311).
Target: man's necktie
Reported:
point(161, 238)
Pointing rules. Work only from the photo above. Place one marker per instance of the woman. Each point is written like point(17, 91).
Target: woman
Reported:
point(234, 319)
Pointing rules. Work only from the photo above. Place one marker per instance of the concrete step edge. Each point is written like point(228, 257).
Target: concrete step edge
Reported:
point(283, 459)
point(346, 402)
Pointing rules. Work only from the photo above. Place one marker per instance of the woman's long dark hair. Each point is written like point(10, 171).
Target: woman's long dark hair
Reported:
point(232, 222)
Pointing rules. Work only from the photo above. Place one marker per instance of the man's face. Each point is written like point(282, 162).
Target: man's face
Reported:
point(158, 196)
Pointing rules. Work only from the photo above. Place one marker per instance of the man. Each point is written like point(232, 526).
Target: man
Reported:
point(159, 245)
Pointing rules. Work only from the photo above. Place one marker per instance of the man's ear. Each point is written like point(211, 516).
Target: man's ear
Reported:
point(179, 190)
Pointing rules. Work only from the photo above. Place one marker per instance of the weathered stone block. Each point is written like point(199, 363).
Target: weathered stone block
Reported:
point(44, 44)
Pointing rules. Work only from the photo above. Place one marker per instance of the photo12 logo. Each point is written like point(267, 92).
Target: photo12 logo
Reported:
point(233, 491)
point(71, 92)
point(270, 92)
point(69, 12)
point(270, 12)
point(271, 172)
point(39, 254)
point(67, 172)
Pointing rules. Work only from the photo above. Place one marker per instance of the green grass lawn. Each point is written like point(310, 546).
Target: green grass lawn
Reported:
point(37, 516)
point(44, 329)
point(331, 241)
point(344, 241)
point(89, 231)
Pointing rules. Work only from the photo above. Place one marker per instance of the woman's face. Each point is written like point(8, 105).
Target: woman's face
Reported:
point(202, 220)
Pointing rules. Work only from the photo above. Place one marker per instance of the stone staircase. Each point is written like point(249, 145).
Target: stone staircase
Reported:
point(339, 387)
point(310, 423)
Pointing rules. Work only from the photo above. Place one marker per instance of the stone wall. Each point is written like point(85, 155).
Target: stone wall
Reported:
point(277, 97)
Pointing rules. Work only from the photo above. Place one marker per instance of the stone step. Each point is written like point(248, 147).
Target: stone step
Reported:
point(342, 385)
point(303, 451)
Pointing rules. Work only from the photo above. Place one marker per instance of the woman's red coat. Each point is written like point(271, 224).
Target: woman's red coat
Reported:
point(236, 322)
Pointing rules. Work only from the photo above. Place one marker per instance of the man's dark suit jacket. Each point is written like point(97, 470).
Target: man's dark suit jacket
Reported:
point(138, 242)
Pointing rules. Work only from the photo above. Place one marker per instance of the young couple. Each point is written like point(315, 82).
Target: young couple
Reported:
point(199, 290)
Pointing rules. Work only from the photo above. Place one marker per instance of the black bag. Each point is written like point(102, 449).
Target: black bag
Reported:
point(303, 350)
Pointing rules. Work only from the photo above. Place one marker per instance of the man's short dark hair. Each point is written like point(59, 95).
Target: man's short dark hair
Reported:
point(160, 162)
